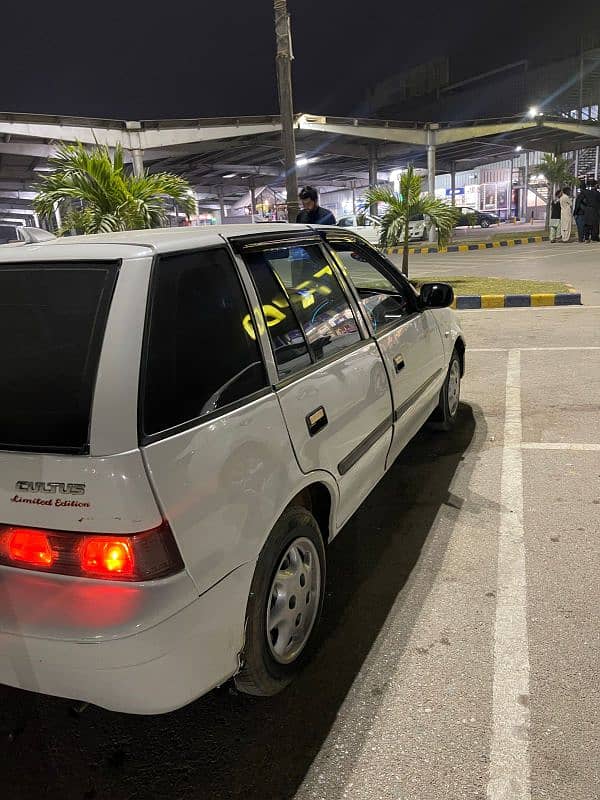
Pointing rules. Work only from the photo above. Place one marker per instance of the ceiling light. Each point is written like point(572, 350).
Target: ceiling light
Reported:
point(518, 148)
point(302, 162)
point(230, 175)
point(533, 111)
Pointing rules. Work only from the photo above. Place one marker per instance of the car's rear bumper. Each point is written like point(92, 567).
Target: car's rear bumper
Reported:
point(151, 671)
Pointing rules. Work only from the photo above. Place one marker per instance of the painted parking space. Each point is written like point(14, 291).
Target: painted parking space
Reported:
point(561, 397)
point(458, 650)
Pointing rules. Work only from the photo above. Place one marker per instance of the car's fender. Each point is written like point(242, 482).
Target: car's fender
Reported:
point(450, 330)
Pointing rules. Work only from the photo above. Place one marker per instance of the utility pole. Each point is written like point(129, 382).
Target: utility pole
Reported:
point(286, 106)
point(581, 67)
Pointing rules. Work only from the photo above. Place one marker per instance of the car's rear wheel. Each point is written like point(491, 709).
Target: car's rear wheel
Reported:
point(284, 607)
point(447, 411)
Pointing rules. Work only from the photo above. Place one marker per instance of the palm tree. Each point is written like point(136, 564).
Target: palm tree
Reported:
point(109, 196)
point(404, 206)
point(558, 171)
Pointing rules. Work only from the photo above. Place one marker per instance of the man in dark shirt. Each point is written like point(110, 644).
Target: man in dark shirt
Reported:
point(312, 213)
point(590, 201)
point(555, 218)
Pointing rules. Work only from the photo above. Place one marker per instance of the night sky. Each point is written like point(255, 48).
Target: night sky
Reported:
point(213, 58)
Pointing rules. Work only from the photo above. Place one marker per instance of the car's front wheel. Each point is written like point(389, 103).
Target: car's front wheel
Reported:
point(284, 606)
point(485, 223)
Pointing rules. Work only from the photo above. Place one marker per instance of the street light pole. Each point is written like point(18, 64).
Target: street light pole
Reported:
point(286, 106)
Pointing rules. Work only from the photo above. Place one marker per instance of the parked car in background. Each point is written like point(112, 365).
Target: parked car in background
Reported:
point(470, 216)
point(188, 417)
point(8, 233)
point(364, 225)
point(368, 226)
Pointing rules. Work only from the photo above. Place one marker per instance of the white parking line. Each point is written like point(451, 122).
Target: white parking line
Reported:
point(525, 349)
point(509, 758)
point(559, 446)
point(524, 308)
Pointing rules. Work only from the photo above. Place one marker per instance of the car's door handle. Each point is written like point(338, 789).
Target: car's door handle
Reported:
point(399, 362)
point(316, 420)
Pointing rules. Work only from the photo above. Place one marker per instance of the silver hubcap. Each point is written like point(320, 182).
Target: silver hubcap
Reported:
point(293, 601)
point(454, 388)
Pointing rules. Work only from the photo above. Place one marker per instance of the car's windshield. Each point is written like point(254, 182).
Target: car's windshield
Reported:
point(52, 320)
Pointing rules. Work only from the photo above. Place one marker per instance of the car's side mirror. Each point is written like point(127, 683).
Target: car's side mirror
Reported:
point(436, 295)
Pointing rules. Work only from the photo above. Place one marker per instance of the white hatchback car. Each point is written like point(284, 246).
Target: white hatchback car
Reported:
point(370, 229)
point(187, 418)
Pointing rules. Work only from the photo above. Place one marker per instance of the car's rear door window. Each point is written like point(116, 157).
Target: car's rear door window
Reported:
point(202, 353)
point(52, 322)
point(307, 313)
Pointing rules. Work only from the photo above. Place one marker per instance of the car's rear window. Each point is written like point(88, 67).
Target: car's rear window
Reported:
point(52, 321)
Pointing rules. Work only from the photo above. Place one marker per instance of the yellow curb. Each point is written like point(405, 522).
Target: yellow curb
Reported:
point(492, 301)
point(482, 246)
point(463, 248)
point(496, 244)
point(542, 299)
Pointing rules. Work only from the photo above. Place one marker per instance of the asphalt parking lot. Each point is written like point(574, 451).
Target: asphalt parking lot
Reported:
point(574, 263)
point(460, 639)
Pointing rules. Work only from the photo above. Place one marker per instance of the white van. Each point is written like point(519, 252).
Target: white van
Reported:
point(187, 418)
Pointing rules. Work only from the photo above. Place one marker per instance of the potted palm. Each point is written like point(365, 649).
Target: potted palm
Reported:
point(99, 194)
point(405, 205)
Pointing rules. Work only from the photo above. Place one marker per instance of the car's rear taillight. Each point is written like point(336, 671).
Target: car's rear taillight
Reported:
point(30, 546)
point(132, 557)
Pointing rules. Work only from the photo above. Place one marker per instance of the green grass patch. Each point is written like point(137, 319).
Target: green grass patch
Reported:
point(481, 285)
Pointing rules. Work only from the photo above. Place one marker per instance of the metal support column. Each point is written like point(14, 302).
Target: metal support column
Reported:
point(286, 106)
point(253, 199)
point(221, 204)
point(431, 176)
point(373, 180)
point(133, 131)
point(453, 182)
point(138, 162)
point(57, 216)
point(525, 198)
point(597, 163)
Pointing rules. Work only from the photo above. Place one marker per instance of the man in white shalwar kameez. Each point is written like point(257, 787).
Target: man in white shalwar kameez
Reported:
point(566, 214)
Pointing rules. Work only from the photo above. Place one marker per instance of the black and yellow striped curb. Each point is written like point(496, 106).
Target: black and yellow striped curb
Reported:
point(466, 248)
point(517, 300)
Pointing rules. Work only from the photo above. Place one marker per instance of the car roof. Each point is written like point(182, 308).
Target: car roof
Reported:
point(136, 244)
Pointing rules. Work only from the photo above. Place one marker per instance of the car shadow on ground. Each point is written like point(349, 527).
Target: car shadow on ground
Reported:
point(227, 745)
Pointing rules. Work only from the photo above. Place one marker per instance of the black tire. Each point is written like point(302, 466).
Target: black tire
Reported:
point(262, 674)
point(444, 417)
point(485, 223)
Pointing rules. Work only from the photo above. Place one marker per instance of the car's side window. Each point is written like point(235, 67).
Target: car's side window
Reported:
point(384, 302)
point(306, 311)
point(287, 338)
point(202, 352)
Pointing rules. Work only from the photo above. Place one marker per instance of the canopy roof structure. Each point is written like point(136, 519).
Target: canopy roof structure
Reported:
point(223, 157)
